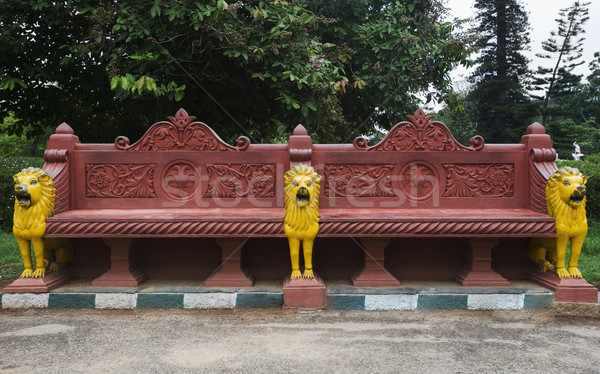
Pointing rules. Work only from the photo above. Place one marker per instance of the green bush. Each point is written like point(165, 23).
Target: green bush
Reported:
point(10, 166)
point(590, 166)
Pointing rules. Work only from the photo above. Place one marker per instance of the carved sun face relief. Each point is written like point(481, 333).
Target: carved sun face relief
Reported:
point(181, 180)
point(419, 181)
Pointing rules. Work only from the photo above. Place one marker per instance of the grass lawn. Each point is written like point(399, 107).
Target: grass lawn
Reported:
point(11, 264)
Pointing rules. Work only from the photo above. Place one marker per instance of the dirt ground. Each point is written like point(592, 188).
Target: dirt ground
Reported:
point(560, 340)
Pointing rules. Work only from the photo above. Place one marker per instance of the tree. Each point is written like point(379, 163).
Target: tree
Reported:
point(567, 51)
point(502, 107)
point(254, 68)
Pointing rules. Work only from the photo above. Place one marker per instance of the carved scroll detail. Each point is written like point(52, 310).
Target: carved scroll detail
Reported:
point(421, 134)
point(244, 180)
point(120, 180)
point(181, 133)
point(479, 180)
point(358, 180)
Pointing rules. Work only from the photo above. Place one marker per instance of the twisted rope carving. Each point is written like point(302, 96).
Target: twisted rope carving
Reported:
point(275, 229)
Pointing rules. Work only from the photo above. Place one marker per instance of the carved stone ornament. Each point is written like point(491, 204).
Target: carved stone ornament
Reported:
point(181, 180)
point(419, 181)
point(479, 180)
point(120, 180)
point(420, 134)
point(359, 180)
point(182, 133)
point(244, 180)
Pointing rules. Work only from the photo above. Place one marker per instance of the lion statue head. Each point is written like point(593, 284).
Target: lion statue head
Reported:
point(301, 196)
point(34, 199)
point(566, 192)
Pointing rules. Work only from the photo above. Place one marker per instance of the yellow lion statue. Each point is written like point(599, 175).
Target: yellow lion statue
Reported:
point(565, 198)
point(34, 202)
point(301, 196)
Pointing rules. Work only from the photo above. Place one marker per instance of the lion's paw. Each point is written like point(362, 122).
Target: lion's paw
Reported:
point(39, 273)
point(563, 273)
point(575, 273)
point(308, 273)
point(54, 267)
point(296, 274)
point(27, 273)
point(546, 266)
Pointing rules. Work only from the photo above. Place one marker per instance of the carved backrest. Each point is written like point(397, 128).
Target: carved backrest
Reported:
point(182, 163)
point(419, 164)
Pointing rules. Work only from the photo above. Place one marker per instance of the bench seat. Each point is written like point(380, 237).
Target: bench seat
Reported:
point(335, 222)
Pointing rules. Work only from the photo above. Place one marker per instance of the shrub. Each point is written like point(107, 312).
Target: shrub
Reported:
point(10, 166)
point(590, 166)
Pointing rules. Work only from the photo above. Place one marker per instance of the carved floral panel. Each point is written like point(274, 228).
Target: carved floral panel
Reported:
point(240, 180)
point(358, 180)
point(120, 180)
point(479, 180)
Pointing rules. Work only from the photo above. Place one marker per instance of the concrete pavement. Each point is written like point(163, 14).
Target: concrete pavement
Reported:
point(565, 339)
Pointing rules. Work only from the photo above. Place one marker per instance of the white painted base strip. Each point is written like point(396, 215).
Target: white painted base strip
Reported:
point(496, 302)
point(24, 300)
point(391, 302)
point(116, 300)
point(209, 300)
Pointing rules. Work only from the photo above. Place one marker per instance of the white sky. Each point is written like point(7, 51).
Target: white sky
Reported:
point(542, 15)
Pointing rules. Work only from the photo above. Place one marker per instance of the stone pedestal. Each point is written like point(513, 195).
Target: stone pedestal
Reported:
point(374, 273)
point(304, 293)
point(478, 270)
point(231, 273)
point(39, 285)
point(572, 289)
point(121, 273)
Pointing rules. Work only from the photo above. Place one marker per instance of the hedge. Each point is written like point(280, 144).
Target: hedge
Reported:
point(10, 166)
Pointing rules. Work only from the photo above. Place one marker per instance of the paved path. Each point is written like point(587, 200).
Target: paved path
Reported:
point(280, 341)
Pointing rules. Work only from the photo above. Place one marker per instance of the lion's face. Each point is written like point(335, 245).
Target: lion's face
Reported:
point(301, 185)
point(30, 185)
point(572, 189)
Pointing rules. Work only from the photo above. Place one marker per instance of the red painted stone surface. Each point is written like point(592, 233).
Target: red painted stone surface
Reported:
point(39, 285)
point(449, 211)
point(304, 293)
point(576, 290)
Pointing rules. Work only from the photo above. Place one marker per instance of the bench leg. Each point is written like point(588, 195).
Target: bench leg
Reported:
point(230, 274)
point(478, 271)
point(120, 273)
point(374, 273)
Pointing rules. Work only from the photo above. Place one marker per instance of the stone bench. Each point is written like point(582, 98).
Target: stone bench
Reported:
point(181, 203)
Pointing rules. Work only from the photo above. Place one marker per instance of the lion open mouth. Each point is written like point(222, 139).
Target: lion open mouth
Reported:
point(23, 198)
point(577, 198)
point(302, 196)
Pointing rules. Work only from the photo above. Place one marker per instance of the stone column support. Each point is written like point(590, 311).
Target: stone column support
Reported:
point(231, 273)
point(374, 273)
point(478, 270)
point(121, 272)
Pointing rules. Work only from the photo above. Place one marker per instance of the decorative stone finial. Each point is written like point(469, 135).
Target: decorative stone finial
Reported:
point(63, 128)
point(536, 128)
point(300, 130)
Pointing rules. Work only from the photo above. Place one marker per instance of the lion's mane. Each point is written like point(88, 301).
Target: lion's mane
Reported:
point(558, 208)
point(296, 218)
point(34, 216)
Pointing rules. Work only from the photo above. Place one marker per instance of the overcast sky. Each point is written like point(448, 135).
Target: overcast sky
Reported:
point(542, 15)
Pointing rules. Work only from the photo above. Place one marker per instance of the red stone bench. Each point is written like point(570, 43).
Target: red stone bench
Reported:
point(181, 203)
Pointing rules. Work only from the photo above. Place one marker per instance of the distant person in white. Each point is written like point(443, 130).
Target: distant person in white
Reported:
point(577, 155)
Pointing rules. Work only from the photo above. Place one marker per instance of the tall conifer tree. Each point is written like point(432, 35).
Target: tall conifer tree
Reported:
point(502, 106)
point(565, 46)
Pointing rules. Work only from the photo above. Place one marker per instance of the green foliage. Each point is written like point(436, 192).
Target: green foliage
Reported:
point(18, 145)
point(245, 68)
point(10, 166)
point(565, 46)
point(501, 107)
point(589, 261)
point(566, 131)
point(11, 264)
point(590, 166)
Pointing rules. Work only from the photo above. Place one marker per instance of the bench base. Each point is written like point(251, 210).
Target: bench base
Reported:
point(573, 290)
point(39, 285)
point(304, 293)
